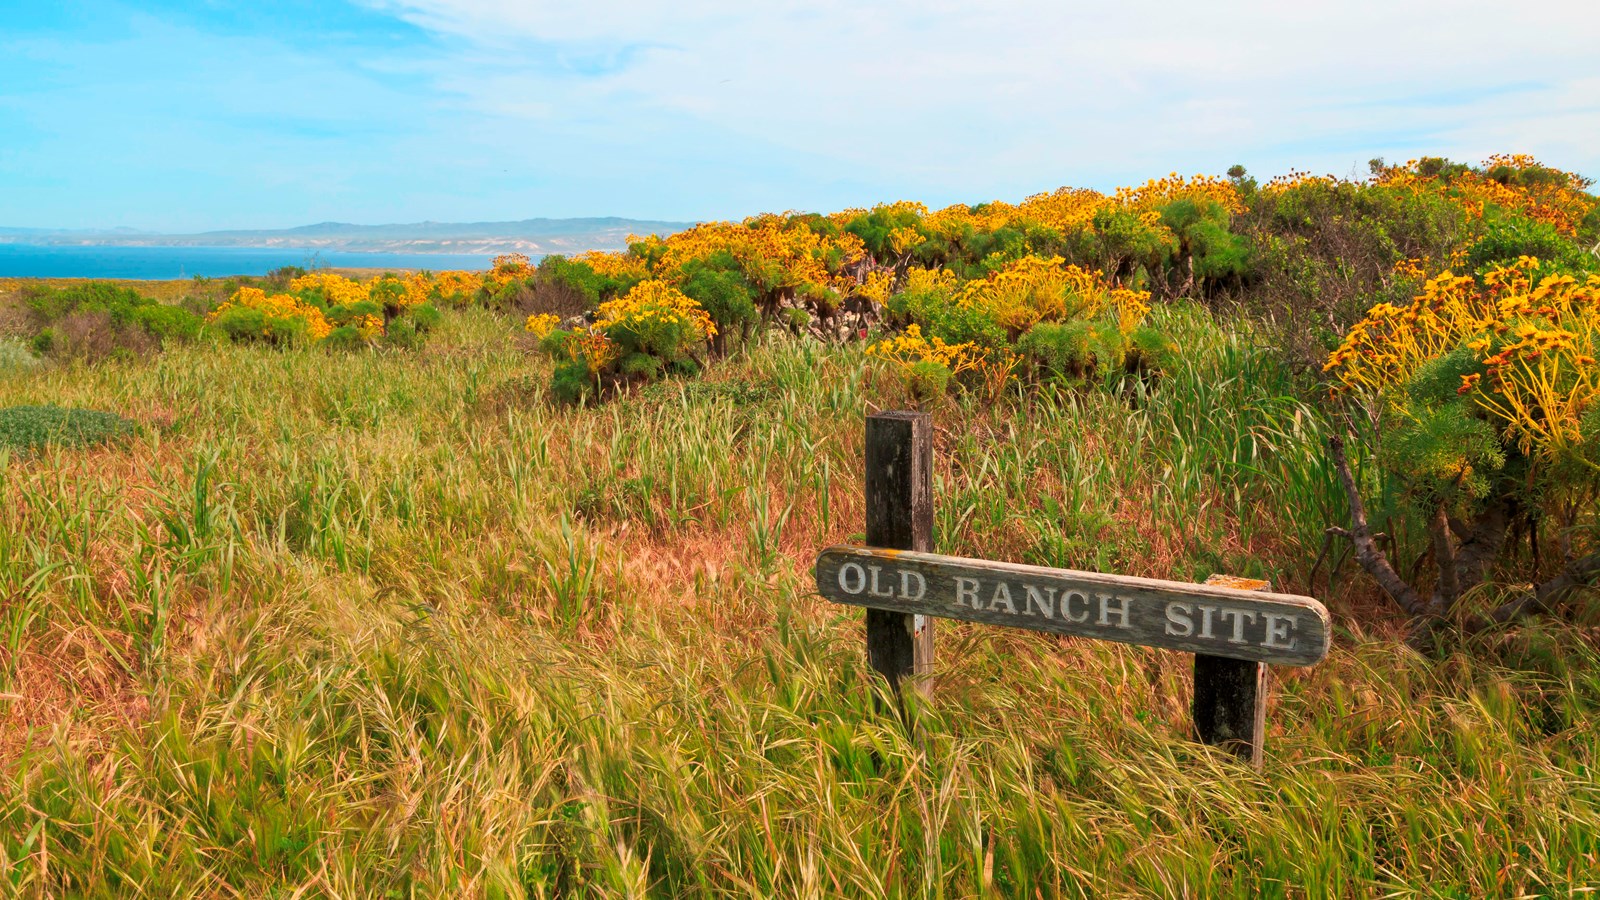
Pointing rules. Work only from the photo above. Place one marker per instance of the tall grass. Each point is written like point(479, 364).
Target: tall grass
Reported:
point(388, 625)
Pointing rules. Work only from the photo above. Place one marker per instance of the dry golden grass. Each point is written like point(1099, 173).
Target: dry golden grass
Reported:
point(389, 624)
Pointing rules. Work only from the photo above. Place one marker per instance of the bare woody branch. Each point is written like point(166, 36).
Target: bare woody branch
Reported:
point(1579, 574)
point(1372, 559)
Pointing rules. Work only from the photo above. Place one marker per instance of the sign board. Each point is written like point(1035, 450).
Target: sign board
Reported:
point(1284, 629)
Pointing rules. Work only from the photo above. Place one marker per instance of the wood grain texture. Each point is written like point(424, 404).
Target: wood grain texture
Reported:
point(1259, 626)
point(899, 489)
point(1230, 695)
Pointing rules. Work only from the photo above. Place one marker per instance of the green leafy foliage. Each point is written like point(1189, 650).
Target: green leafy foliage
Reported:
point(101, 318)
point(718, 285)
point(1508, 237)
point(29, 428)
point(1445, 452)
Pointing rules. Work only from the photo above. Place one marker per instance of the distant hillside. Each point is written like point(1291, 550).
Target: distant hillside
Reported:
point(535, 237)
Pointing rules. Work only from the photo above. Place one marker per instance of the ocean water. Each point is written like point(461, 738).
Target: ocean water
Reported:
point(164, 263)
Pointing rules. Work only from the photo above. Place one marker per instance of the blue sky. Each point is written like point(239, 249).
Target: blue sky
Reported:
point(191, 116)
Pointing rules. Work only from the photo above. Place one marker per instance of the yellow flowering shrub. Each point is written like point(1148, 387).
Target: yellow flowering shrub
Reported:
point(1520, 346)
point(278, 318)
point(652, 328)
point(928, 365)
point(540, 325)
point(1158, 191)
point(911, 347)
point(656, 317)
point(1514, 182)
point(455, 288)
point(336, 290)
point(368, 326)
point(877, 286)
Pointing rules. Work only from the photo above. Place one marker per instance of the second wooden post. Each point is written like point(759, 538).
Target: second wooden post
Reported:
point(1230, 695)
point(900, 517)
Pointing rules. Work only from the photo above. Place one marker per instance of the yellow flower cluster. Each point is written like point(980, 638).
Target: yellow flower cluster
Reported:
point(419, 289)
point(1033, 289)
point(1410, 268)
point(540, 325)
point(370, 327)
point(877, 285)
point(1158, 191)
point(455, 287)
point(594, 350)
point(505, 269)
point(277, 306)
point(656, 302)
point(1132, 307)
point(904, 240)
point(1025, 292)
point(1535, 337)
point(909, 348)
point(1066, 210)
point(773, 257)
point(1298, 178)
point(614, 265)
point(1559, 199)
point(339, 290)
point(931, 281)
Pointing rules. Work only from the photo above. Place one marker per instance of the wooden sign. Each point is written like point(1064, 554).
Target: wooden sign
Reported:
point(1256, 626)
point(1233, 626)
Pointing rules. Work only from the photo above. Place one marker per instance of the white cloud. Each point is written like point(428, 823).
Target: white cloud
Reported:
point(1036, 92)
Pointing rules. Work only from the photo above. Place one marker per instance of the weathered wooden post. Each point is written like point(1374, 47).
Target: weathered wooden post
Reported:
point(1230, 695)
point(900, 517)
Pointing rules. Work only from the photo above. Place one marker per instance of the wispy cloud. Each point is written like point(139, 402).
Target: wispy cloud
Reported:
point(396, 109)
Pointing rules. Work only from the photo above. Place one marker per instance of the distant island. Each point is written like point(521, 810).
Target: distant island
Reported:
point(535, 237)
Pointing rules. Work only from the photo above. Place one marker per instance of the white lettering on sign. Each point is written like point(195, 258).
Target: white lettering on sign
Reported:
point(1044, 601)
point(1002, 594)
point(1239, 618)
point(905, 585)
point(1178, 622)
point(1066, 607)
point(1122, 610)
point(875, 590)
point(1215, 621)
point(967, 592)
point(850, 571)
point(1279, 628)
point(1276, 627)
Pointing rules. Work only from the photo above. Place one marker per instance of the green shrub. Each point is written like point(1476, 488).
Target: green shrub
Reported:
point(349, 312)
point(1058, 349)
point(571, 382)
point(1509, 237)
point(1203, 236)
point(718, 286)
point(16, 357)
point(242, 323)
point(426, 317)
point(345, 337)
point(1151, 351)
point(388, 293)
point(28, 428)
point(559, 272)
point(928, 380)
point(642, 365)
point(403, 332)
point(797, 318)
point(99, 318)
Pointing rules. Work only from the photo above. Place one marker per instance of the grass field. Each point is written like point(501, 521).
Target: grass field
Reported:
point(388, 624)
